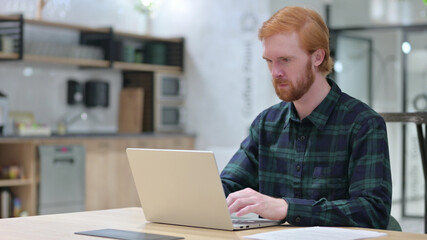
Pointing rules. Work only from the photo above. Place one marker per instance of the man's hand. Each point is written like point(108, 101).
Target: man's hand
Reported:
point(250, 201)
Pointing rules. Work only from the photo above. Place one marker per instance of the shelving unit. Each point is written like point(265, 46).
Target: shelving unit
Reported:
point(112, 43)
point(21, 154)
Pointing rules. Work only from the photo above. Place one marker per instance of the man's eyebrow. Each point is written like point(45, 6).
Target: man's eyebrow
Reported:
point(281, 57)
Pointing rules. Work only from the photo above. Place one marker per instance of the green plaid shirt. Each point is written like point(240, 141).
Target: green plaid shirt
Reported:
point(332, 167)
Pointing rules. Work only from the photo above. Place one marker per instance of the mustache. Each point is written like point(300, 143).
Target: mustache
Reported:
point(280, 80)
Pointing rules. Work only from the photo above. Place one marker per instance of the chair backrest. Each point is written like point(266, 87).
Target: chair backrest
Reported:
point(393, 224)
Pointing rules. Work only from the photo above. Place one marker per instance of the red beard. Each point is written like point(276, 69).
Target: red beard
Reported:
point(293, 93)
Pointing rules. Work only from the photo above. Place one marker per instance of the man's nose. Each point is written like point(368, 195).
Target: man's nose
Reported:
point(276, 71)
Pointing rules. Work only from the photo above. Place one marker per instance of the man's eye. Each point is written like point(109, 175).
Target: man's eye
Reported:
point(285, 59)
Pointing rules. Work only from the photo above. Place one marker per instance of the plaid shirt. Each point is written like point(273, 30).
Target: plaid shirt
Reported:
point(332, 167)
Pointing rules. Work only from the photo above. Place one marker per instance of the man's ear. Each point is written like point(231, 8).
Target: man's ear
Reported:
point(318, 56)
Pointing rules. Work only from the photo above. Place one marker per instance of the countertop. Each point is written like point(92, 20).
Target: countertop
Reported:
point(98, 135)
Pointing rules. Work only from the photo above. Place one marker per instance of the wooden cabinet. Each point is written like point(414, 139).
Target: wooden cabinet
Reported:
point(20, 154)
point(109, 182)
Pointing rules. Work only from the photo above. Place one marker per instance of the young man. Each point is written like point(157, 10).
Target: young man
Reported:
point(320, 157)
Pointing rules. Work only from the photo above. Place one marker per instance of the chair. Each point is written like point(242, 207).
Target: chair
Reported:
point(393, 224)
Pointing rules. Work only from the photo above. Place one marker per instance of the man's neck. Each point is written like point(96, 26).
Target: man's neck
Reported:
point(313, 97)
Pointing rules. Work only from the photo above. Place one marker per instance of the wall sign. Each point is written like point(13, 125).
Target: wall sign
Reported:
point(248, 25)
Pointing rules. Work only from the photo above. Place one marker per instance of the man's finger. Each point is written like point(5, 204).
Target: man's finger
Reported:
point(248, 209)
point(232, 197)
point(241, 203)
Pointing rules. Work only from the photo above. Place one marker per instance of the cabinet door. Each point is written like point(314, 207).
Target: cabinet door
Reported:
point(125, 186)
point(184, 143)
point(109, 183)
point(97, 181)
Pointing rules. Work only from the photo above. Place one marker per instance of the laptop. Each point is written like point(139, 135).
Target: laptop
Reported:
point(183, 187)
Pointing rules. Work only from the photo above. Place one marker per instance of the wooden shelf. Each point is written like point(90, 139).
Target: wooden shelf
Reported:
point(9, 18)
point(146, 67)
point(147, 37)
point(15, 182)
point(87, 29)
point(175, 45)
point(66, 26)
point(9, 56)
point(68, 61)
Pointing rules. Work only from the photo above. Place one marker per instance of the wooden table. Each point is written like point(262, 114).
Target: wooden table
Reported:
point(63, 226)
point(420, 119)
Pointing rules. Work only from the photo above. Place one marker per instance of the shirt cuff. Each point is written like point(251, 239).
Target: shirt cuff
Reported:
point(300, 211)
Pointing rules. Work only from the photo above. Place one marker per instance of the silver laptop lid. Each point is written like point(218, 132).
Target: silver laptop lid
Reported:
point(179, 187)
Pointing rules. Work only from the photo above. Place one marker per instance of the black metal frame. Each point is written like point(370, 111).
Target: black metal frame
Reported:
point(420, 119)
point(103, 39)
point(14, 28)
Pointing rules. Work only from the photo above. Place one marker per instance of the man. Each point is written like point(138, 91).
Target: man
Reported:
point(320, 157)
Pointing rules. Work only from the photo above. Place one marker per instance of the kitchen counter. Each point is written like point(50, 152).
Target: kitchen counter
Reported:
point(97, 135)
point(108, 179)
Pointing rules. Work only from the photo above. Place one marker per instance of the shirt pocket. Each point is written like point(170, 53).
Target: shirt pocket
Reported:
point(330, 182)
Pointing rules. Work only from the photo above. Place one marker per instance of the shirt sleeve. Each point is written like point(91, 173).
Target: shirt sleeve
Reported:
point(242, 170)
point(369, 201)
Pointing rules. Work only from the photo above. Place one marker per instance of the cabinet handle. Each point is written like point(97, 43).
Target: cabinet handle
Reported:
point(63, 160)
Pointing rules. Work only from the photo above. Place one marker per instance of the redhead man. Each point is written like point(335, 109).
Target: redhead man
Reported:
point(319, 157)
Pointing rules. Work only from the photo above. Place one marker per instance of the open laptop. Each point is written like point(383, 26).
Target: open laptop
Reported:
point(183, 188)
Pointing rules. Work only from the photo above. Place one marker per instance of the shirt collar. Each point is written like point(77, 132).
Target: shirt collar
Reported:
point(320, 115)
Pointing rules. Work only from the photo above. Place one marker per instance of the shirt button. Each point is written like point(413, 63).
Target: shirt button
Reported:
point(298, 167)
point(302, 138)
point(297, 219)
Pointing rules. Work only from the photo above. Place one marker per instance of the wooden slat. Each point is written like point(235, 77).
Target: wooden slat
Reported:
point(147, 37)
point(146, 67)
point(15, 182)
point(65, 25)
point(11, 18)
point(4, 55)
point(69, 61)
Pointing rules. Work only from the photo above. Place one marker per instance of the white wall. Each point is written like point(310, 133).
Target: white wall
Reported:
point(228, 80)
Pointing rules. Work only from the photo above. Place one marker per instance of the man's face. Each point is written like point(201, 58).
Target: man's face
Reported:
point(290, 66)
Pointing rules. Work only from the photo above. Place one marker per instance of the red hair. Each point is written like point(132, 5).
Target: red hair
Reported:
point(310, 27)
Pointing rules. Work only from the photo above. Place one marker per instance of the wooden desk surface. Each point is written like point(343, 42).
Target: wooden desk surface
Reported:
point(63, 226)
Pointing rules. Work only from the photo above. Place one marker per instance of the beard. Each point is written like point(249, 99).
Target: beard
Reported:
point(301, 87)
